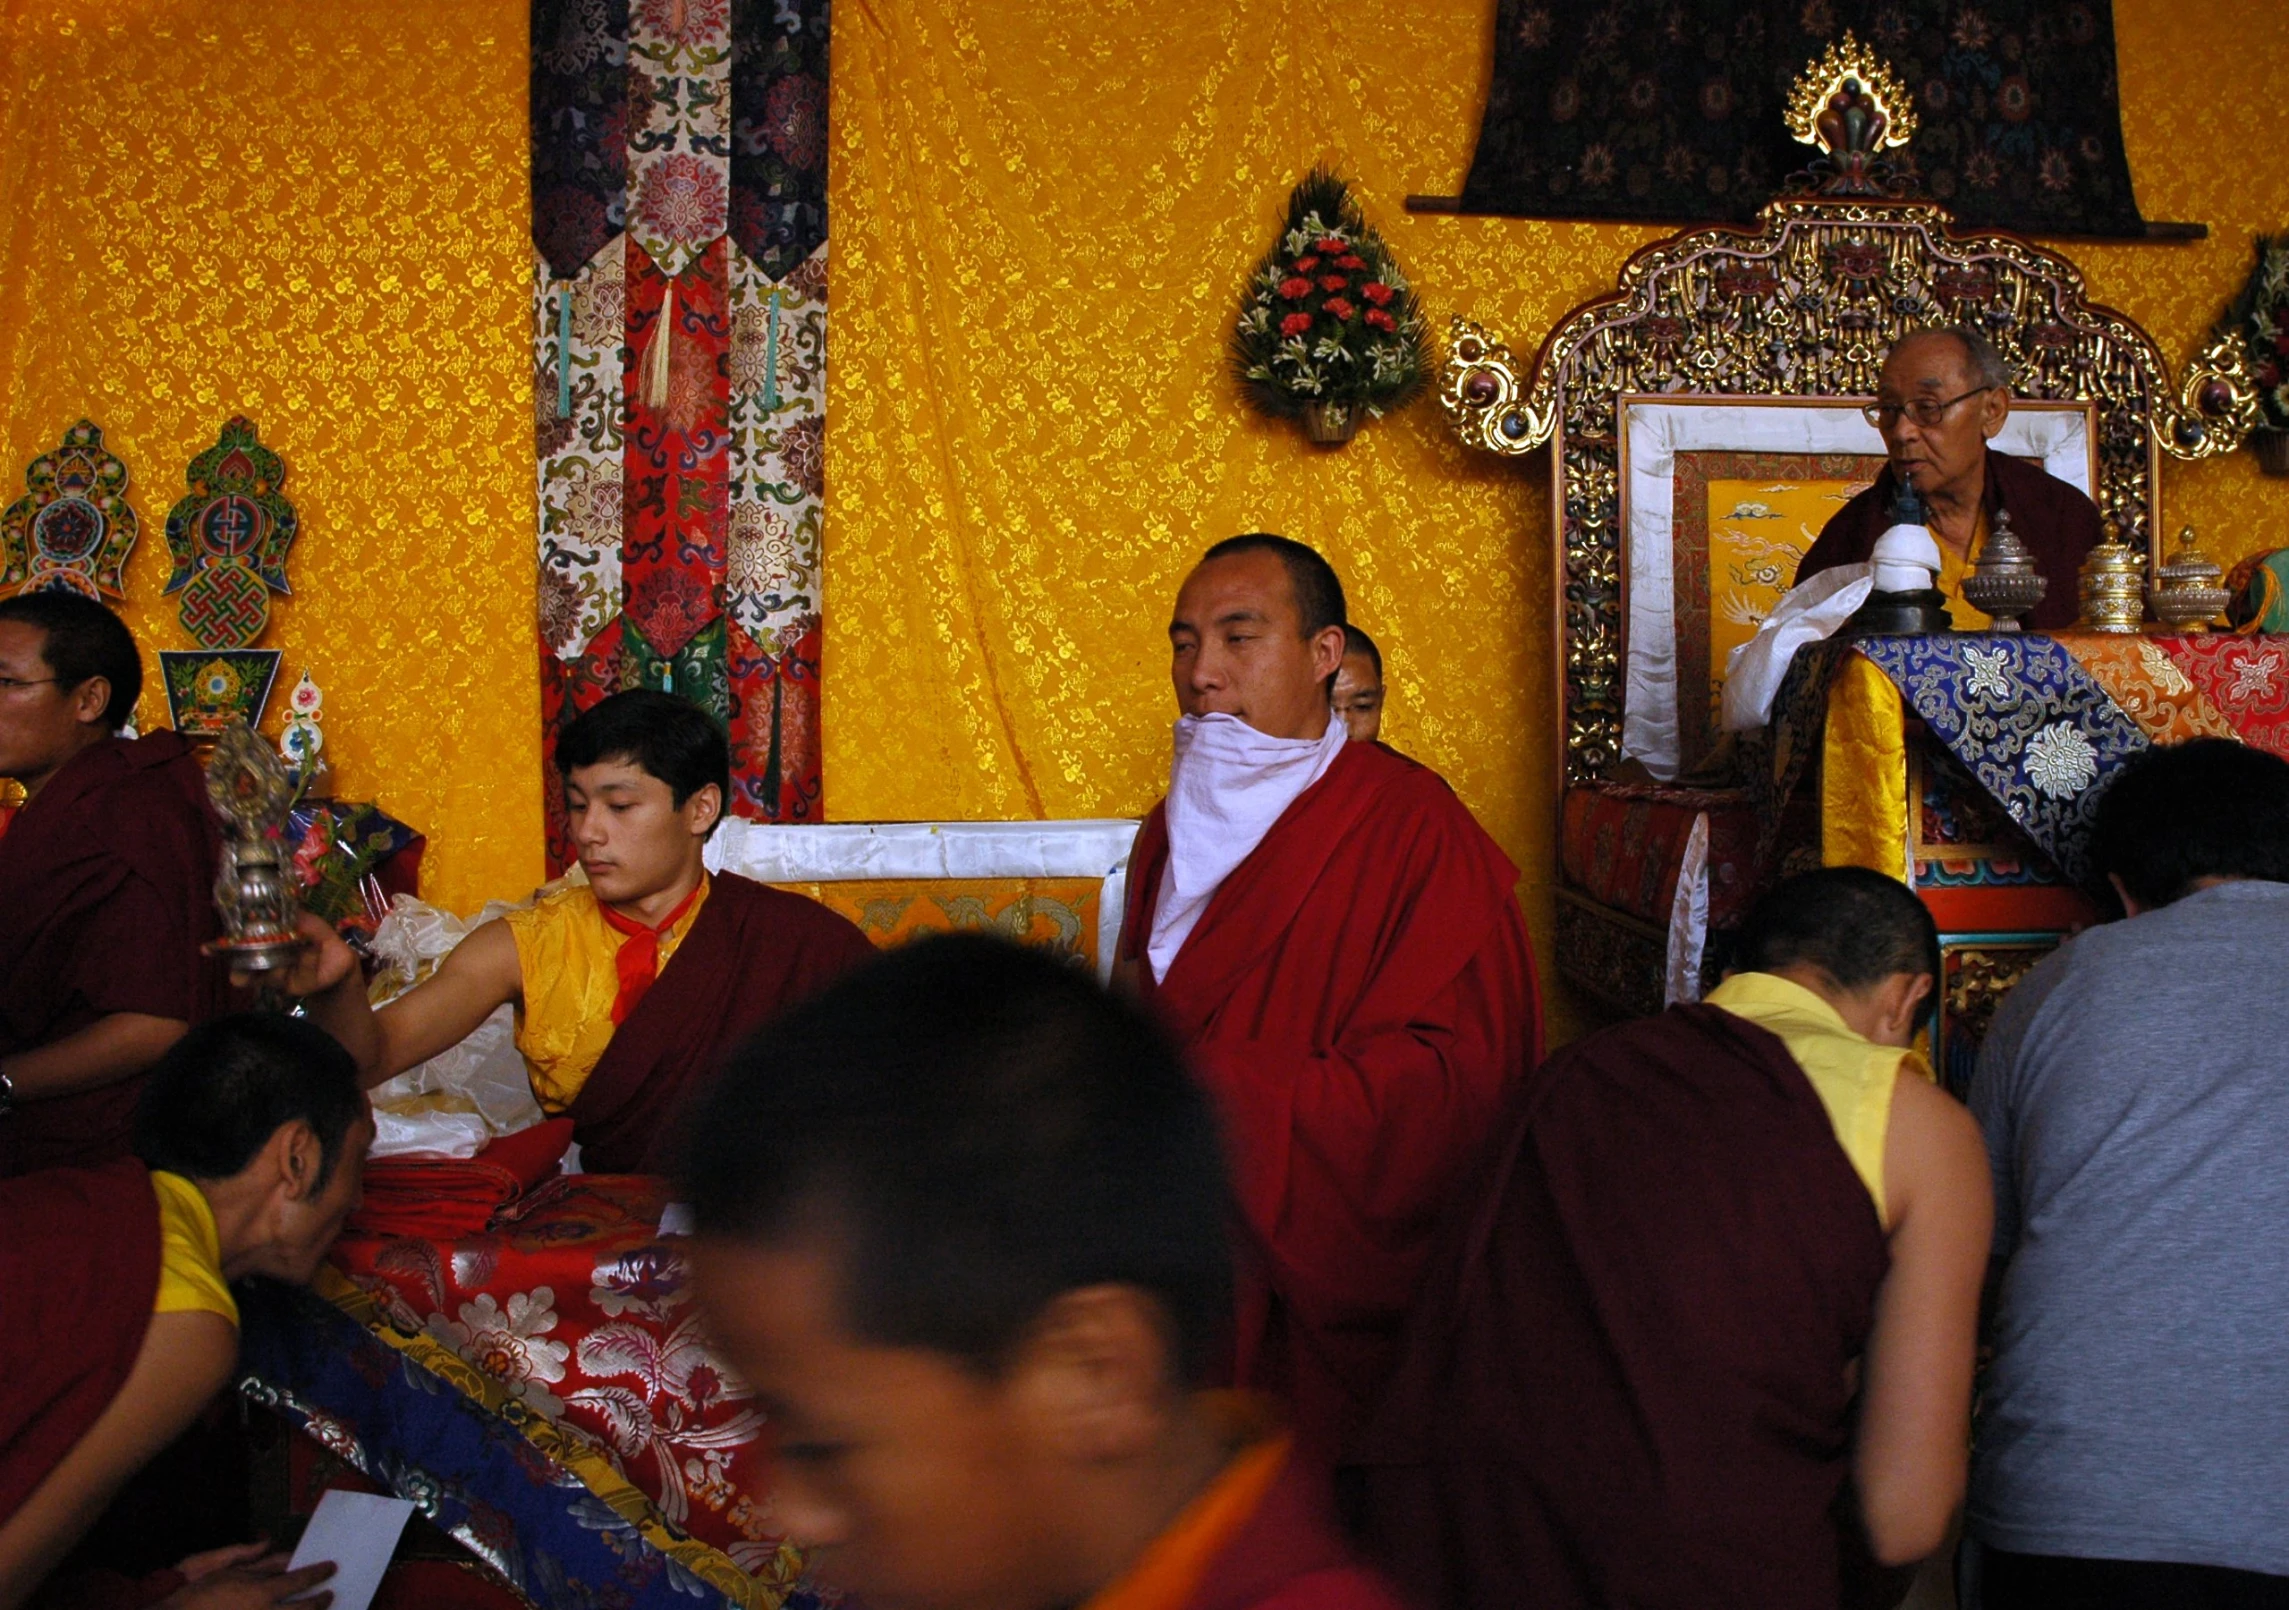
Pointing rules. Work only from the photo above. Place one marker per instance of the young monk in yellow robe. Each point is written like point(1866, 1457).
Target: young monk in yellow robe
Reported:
point(615, 1037)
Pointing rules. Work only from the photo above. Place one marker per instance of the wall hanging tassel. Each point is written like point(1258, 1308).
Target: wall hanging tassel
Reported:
point(771, 357)
point(770, 782)
point(564, 353)
point(656, 357)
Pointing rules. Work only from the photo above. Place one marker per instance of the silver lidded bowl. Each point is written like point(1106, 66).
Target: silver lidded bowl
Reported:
point(2003, 582)
point(2188, 597)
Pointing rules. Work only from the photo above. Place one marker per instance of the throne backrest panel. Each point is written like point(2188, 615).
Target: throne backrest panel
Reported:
point(1720, 497)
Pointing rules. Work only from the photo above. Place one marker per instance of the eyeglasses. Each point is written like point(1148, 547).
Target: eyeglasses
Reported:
point(1923, 410)
point(9, 684)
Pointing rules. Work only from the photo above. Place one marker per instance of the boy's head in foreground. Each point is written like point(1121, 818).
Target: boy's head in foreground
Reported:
point(962, 1226)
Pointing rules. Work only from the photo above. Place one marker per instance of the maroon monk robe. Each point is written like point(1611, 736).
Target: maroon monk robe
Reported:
point(1357, 996)
point(79, 1270)
point(1289, 1556)
point(1625, 1382)
point(2057, 523)
point(752, 952)
point(106, 894)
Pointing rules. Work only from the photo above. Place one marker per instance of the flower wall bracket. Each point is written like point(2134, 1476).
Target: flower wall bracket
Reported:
point(1329, 330)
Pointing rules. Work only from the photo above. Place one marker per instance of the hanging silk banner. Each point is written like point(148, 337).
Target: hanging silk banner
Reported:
point(679, 351)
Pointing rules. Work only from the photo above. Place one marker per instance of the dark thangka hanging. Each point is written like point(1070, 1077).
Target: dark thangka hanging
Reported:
point(1670, 110)
point(579, 129)
point(679, 158)
point(779, 131)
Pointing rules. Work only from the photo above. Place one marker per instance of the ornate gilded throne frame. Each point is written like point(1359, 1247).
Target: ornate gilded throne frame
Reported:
point(1805, 307)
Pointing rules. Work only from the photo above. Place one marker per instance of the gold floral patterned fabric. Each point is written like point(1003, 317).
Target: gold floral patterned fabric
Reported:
point(2139, 675)
point(313, 215)
point(1863, 772)
point(317, 215)
point(1042, 217)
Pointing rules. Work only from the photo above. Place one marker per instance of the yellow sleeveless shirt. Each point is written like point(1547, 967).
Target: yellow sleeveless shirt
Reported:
point(1953, 567)
point(566, 961)
point(1852, 1076)
point(190, 1252)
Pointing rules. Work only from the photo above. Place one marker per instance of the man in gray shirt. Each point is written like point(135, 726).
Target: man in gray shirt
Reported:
point(2133, 1445)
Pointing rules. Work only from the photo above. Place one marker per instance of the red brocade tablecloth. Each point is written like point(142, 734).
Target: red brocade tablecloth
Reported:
point(572, 1304)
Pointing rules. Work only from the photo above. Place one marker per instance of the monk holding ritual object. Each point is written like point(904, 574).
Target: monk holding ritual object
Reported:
point(120, 1326)
point(106, 887)
point(1334, 940)
point(629, 987)
point(1942, 396)
point(962, 1227)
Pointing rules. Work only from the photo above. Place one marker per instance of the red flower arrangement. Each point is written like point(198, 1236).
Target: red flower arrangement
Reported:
point(1328, 318)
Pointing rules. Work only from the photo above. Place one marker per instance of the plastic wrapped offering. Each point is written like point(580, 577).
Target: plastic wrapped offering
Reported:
point(453, 1104)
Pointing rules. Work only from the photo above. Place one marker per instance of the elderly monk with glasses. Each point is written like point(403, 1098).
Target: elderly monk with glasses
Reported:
point(1942, 397)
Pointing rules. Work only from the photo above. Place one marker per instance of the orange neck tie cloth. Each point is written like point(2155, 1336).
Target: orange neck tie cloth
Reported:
point(638, 958)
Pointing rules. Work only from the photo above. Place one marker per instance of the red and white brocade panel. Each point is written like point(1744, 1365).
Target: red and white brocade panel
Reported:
point(584, 1313)
point(681, 492)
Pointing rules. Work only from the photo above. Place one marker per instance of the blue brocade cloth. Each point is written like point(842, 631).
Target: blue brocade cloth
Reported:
point(469, 1470)
point(2025, 719)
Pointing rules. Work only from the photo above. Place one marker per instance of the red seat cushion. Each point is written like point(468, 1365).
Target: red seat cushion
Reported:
point(1621, 844)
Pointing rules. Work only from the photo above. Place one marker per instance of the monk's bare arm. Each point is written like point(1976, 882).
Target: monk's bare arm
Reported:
point(112, 1048)
point(184, 1361)
point(478, 976)
point(1915, 1406)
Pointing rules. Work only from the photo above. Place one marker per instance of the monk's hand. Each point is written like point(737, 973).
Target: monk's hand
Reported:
point(195, 1566)
point(324, 961)
point(259, 1584)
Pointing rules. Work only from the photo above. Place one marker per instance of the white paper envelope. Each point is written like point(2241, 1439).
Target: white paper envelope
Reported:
point(358, 1532)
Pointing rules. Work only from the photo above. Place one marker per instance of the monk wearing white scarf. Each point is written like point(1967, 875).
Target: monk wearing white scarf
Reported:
point(1335, 940)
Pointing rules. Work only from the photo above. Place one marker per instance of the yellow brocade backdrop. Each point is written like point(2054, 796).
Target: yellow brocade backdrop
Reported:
point(1043, 214)
point(312, 213)
point(315, 213)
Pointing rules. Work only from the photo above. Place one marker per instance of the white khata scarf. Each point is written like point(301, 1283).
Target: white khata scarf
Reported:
point(1226, 787)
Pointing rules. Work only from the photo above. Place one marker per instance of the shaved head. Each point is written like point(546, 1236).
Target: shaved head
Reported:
point(1257, 633)
point(1318, 590)
point(1856, 926)
point(1982, 364)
